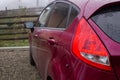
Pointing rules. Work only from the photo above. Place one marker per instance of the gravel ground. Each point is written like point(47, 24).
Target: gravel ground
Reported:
point(14, 65)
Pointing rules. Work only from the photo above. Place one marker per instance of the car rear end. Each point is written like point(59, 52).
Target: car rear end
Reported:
point(97, 42)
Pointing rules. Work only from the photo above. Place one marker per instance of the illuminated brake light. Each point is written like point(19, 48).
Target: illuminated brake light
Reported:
point(88, 47)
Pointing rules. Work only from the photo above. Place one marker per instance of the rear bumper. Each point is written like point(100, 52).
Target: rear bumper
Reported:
point(87, 72)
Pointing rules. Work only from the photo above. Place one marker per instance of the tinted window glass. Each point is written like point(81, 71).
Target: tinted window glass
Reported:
point(73, 14)
point(58, 16)
point(44, 15)
point(108, 19)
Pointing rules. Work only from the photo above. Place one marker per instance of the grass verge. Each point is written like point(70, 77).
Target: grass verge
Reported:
point(14, 43)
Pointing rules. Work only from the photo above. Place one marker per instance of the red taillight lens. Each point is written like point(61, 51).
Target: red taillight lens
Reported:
point(88, 47)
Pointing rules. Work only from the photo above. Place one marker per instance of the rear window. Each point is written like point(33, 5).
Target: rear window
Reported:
point(108, 19)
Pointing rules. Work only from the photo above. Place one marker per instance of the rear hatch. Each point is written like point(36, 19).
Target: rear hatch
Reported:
point(106, 23)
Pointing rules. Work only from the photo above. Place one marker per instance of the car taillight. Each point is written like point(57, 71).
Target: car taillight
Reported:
point(88, 47)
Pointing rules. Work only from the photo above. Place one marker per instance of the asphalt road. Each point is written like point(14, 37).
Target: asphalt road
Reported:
point(14, 65)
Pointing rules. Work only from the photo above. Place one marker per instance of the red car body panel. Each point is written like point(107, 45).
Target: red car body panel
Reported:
point(94, 5)
point(112, 46)
point(57, 59)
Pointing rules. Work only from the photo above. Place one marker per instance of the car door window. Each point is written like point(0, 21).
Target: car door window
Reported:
point(74, 12)
point(59, 15)
point(45, 15)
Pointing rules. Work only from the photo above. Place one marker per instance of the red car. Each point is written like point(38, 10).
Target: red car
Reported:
point(77, 40)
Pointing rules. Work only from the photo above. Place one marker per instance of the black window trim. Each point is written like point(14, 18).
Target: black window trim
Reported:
point(75, 7)
point(68, 17)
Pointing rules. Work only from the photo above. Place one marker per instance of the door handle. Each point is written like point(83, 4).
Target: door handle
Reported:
point(36, 35)
point(51, 41)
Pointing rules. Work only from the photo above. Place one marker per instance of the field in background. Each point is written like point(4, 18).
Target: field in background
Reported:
point(13, 35)
point(12, 30)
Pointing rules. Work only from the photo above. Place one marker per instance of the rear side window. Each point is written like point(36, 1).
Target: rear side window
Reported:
point(59, 15)
point(108, 19)
point(73, 14)
point(45, 15)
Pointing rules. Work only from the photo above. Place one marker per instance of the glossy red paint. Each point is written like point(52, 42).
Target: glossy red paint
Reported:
point(112, 47)
point(53, 48)
point(94, 5)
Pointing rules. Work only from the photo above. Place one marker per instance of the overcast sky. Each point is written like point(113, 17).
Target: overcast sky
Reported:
point(14, 4)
